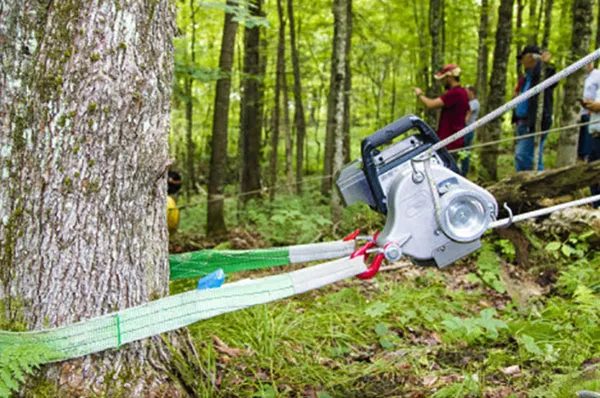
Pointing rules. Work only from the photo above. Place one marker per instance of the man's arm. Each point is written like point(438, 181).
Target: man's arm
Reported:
point(428, 102)
point(591, 105)
point(468, 116)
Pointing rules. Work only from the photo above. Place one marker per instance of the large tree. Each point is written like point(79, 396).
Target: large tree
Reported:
point(218, 156)
point(84, 119)
point(497, 93)
point(436, 27)
point(580, 46)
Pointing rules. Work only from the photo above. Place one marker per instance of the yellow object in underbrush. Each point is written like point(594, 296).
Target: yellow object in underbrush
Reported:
point(172, 215)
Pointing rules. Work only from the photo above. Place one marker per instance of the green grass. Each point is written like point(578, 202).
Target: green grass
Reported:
point(415, 332)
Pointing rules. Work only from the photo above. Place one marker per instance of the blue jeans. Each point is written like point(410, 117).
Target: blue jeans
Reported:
point(524, 152)
point(585, 140)
point(595, 155)
point(466, 161)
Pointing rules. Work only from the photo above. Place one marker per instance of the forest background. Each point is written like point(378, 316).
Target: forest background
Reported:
point(276, 63)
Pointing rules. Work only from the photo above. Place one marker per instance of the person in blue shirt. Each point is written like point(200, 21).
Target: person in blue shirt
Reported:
point(525, 113)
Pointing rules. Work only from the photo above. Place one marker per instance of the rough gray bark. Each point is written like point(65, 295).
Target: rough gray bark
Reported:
point(497, 93)
point(252, 109)
point(85, 100)
point(519, 39)
point(336, 94)
point(299, 118)
point(437, 61)
point(218, 156)
point(573, 88)
point(482, 58)
point(189, 109)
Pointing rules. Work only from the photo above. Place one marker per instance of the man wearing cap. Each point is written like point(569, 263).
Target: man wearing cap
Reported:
point(454, 103)
point(525, 114)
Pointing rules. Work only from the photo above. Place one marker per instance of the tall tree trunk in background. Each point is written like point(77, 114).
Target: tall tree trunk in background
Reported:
point(336, 96)
point(279, 82)
point(580, 46)
point(531, 23)
point(519, 36)
point(251, 109)
point(189, 108)
point(299, 118)
point(437, 61)
point(497, 94)
point(289, 150)
point(423, 75)
point(218, 156)
point(84, 124)
point(482, 57)
point(347, 84)
point(547, 23)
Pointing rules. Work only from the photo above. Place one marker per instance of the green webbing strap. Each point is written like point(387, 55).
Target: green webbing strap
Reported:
point(173, 312)
point(202, 263)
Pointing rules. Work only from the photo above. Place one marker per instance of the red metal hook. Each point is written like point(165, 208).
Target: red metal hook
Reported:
point(375, 265)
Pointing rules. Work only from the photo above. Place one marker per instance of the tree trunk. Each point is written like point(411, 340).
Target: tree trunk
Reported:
point(435, 30)
point(189, 108)
point(347, 85)
point(519, 36)
point(279, 84)
point(299, 118)
point(531, 29)
point(482, 58)
point(547, 23)
point(523, 190)
point(336, 94)
point(580, 45)
point(251, 109)
point(215, 226)
point(84, 124)
point(497, 94)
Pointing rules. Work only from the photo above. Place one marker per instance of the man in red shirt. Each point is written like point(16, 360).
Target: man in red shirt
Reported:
point(454, 103)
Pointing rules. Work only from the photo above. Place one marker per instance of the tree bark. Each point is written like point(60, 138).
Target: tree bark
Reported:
point(299, 118)
point(215, 226)
point(84, 120)
point(497, 94)
point(437, 61)
point(519, 36)
point(580, 45)
point(336, 95)
point(189, 108)
point(482, 58)
point(523, 190)
point(347, 84)
point(252, 109)
point(597, 41)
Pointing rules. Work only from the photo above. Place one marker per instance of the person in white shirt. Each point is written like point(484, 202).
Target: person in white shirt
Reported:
point(594, 140)
point(472, 116)
point(591, 87)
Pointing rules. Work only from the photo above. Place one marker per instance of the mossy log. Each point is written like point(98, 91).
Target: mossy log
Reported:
point(525, 191)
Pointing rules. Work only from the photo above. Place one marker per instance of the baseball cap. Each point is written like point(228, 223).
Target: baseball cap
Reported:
point(529, 49)
point(448, 70)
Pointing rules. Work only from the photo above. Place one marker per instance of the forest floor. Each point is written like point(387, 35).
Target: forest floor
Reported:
point(483, 327)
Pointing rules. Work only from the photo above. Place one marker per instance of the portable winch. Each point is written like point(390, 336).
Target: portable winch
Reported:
point(434, 215)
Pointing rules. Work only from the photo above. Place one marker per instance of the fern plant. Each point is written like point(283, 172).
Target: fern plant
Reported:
point(17, 361)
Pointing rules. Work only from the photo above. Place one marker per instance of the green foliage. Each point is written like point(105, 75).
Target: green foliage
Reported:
point(18, 361)
point(488, 266)
point(474, 330)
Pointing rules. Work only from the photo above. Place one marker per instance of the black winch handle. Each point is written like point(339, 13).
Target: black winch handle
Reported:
point(386, 135)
